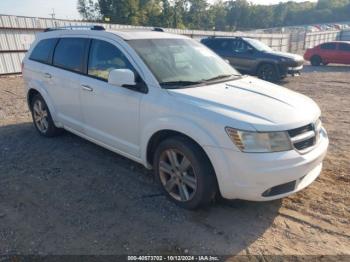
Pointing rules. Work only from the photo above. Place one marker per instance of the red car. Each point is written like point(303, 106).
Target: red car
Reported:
point(333, 52)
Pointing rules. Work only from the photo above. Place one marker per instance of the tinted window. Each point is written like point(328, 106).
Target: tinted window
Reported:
point(69, 53)
point(240, 46)
point(43, 50)
point(329, 46)
point(218, 44)
point(344, 47)
point(105, 57)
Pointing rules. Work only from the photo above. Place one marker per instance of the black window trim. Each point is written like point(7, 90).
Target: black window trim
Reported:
point(143, 88)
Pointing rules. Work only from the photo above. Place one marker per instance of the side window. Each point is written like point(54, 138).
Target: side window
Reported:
point(43, 50)
point(344, 47)
point(241, 47)
point(225, 45)
point(218, 45)
point(329, 46)
point(104, 57)
point(69, 54)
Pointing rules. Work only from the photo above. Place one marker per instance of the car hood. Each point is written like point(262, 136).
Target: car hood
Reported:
point(251, 102)
point(287, 55)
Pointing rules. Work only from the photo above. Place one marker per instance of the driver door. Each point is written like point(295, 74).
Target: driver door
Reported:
point(243, 55)
point(111, 113)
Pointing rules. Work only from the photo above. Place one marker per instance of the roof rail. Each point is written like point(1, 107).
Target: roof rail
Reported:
point(223, 36)
point(79, 27)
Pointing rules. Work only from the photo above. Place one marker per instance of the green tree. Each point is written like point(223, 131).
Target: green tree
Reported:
point(88, 9)
point(120, 11)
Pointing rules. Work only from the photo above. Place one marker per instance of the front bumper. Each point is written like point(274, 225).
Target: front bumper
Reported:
point(253, 176)
point(291, 68)
point(295, 70)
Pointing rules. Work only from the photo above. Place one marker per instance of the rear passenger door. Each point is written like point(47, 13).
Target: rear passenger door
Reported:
point(344, 53)
point(111, 113)
point(68, 66)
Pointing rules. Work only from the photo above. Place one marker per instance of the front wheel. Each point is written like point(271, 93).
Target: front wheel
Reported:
point(316, 60)
point(185, 173)
point(268, 72)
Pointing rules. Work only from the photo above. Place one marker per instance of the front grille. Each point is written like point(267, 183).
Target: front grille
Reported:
point(305, 144)
point(305, 137)
point(300, 130)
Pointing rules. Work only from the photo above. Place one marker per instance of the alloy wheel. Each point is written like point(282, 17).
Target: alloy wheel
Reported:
point(40, 115)
point(177, 175)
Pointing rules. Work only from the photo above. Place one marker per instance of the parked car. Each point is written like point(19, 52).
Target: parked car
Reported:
point(337, 52)
point(171, 104)
point(254, 57)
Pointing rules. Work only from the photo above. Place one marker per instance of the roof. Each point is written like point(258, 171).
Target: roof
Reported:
point(126, 34)
point(144, 34)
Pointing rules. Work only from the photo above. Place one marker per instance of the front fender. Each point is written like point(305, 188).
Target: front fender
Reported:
point(178, 124)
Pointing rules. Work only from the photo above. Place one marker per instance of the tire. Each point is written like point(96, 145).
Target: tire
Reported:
point(42, 118)
point(184, 173)
point(268, 72)
point(316, 60)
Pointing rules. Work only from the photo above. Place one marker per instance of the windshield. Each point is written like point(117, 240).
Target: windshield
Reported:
point(181, 62)
point(260, 46)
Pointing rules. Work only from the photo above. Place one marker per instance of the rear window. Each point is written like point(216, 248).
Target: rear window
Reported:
point(344, 47)
point(43, 50)
point(329, 46)
point(69, 54)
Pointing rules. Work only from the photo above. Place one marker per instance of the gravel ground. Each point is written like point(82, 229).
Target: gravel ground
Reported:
point(68, 196)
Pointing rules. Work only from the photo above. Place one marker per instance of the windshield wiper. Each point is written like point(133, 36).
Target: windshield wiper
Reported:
point(219, 77)
point(179, 84)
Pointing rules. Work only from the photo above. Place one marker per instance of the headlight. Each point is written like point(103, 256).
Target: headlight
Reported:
point(259, 142)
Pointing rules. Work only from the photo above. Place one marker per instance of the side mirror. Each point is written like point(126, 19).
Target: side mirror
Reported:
point(121, 77)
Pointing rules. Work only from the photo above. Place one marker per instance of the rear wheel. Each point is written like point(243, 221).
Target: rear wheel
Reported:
point(185, 173)
point(316, 60)
point(268, 72)
point(42, 118)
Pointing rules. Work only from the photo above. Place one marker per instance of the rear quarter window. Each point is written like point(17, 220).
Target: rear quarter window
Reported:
point(42, 52)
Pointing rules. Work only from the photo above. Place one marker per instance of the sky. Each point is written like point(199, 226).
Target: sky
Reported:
point(66, 9)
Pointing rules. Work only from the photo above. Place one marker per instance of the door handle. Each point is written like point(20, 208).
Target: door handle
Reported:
point(47, 75)
point(87, 88)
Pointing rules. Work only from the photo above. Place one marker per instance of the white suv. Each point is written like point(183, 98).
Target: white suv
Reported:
point(171, 104)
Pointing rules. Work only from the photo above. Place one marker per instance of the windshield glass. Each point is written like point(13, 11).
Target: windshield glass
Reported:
point(181, 61)
point(260, 46)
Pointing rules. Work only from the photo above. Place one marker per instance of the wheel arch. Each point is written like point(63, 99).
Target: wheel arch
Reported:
point(34, 90)
point(159, 137)
point(156, 132)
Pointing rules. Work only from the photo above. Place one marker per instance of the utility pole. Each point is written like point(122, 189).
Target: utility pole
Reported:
point(53, 15)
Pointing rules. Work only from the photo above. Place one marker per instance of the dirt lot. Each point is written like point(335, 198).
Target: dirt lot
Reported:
point(68, 196)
